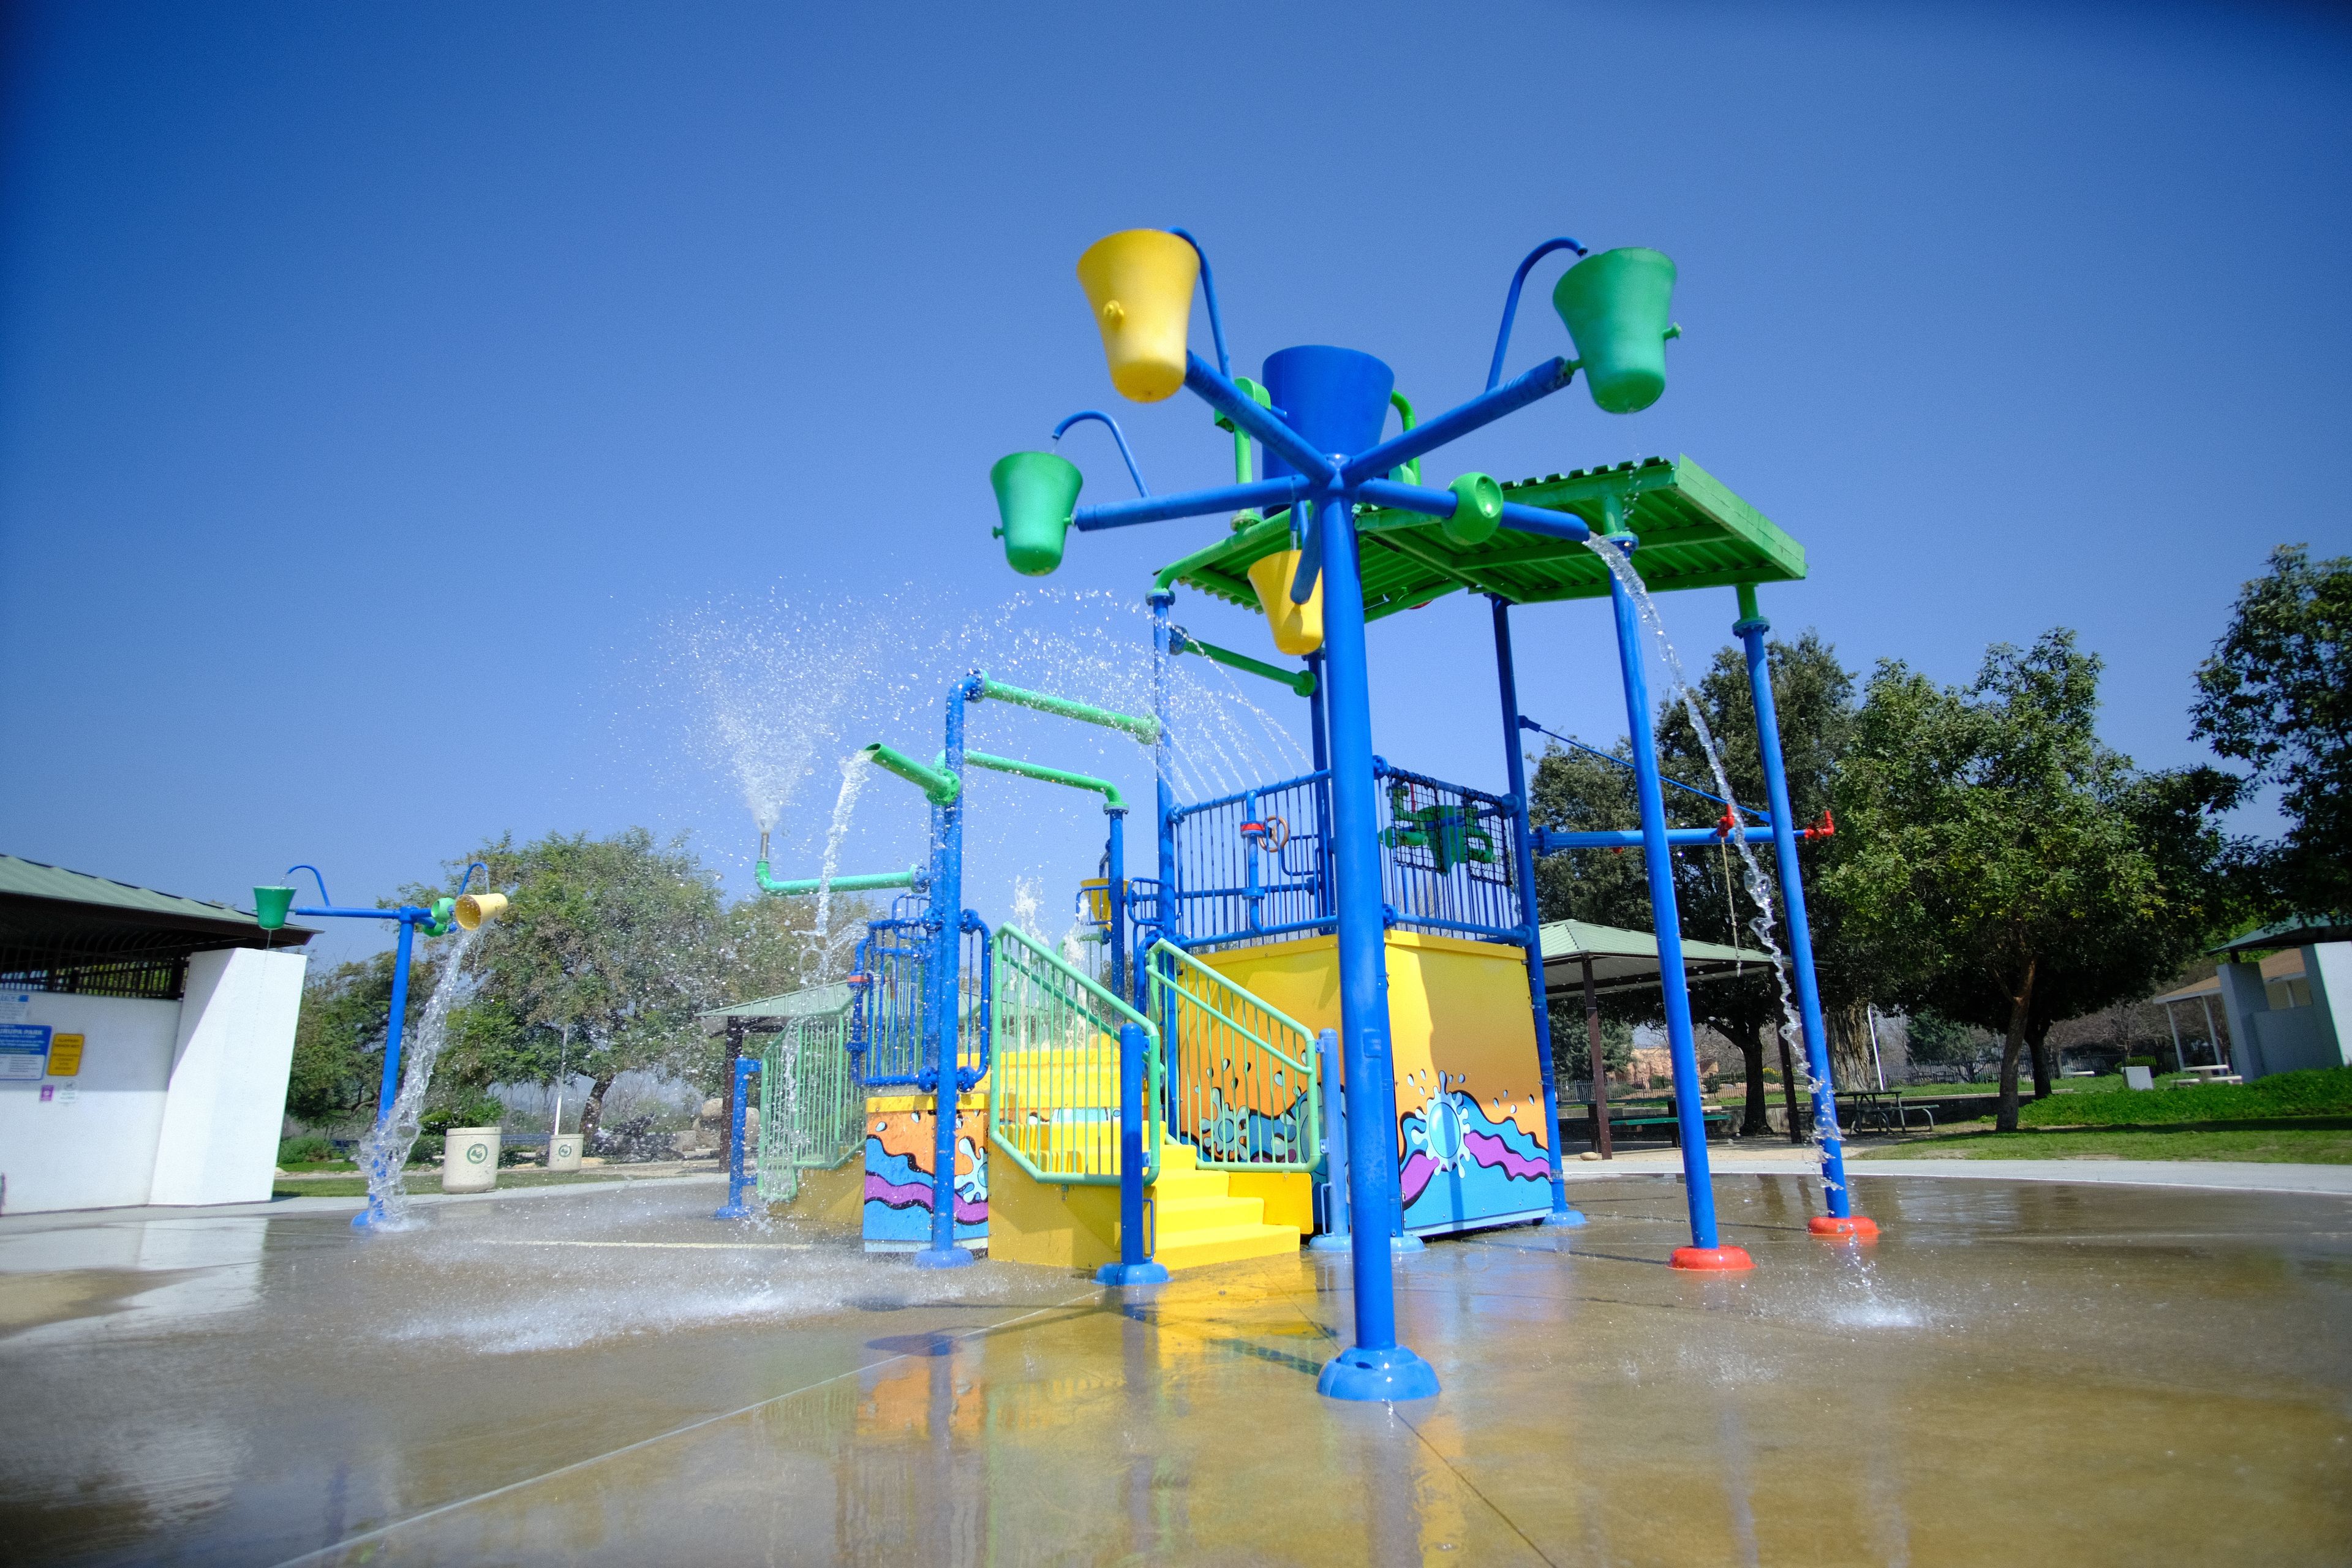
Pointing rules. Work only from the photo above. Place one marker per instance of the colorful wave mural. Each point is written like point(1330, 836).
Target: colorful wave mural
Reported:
point(1461, 1164)
point(898, 1170)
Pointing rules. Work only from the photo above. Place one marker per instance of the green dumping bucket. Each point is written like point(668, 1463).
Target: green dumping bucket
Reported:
point(270, 907)
point(1616, 306)
point(1035, 492)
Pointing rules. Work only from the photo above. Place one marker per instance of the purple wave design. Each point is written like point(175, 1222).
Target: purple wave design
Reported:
point(1489, 1150)
point(1415, 1175)
point(918, 1195)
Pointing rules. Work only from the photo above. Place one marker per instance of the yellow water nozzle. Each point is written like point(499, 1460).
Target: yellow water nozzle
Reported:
point(1140, 283)
point(475, 908)
point(1297, 628)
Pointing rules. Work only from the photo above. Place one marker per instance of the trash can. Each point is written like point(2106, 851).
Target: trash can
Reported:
point(564, 1151)
point(469, 1160)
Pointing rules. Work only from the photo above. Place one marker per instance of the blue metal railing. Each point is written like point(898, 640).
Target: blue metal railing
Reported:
point(885, 1015)
point(1254, 866)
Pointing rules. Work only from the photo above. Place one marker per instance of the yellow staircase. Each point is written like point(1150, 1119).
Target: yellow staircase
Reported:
point(1197, 1221)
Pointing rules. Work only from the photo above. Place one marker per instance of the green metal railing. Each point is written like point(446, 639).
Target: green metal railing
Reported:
point(1053, 1081)
point(1243, 1079)
point(812, 1108)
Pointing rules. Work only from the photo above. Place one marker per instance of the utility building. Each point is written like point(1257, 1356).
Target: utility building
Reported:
point(145, 1044)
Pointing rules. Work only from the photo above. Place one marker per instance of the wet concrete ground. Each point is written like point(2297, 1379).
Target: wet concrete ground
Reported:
point(2020, 1372)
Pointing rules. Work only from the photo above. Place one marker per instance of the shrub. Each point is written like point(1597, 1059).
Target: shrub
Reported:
point(2320, 1092)
point(309, 1150)
point(2148, 1062)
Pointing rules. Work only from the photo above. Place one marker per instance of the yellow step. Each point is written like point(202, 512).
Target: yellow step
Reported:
point(1206, 1214)
point(1175, 1186)
point(1226, 1244)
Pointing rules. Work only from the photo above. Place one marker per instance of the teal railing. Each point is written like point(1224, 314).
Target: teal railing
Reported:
point(1054, 1078)
point(1243, 1079)
point(812, 1107)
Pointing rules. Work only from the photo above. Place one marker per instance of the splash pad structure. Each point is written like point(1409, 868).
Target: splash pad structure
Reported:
point(1363, 901)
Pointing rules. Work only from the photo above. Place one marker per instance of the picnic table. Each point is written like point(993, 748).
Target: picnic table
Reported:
point(1661, 1112)
point(1880, 1111)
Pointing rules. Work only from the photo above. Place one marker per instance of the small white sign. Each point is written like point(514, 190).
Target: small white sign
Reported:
point(16, 1007)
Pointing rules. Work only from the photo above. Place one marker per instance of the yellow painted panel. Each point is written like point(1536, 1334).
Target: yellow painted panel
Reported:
point(1288, 1195)
point(1031, 1221)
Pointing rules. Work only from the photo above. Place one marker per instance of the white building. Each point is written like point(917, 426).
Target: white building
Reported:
point(145, 1044)
point(2286, 1013)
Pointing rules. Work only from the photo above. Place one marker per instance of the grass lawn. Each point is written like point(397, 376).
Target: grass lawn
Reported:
point(2322, 1141)
point(356, 1186)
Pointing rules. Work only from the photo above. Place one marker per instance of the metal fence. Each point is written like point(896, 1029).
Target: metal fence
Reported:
point(887, 1012)
point(812, 1110)
point(1257, 866)
point(1053, 1091)
point(1242, 1087)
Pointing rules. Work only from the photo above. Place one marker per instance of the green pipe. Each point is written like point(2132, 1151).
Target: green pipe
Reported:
point(1302, 681)
point(1112, 799)
point(1144, 730)
point(873, 882)
point(940, 786)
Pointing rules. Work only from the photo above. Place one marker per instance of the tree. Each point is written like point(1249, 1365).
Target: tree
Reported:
point(339, 1038)
point(607, 949)
point(1933, 1040)
point(2277, 695)
point(1990, 839)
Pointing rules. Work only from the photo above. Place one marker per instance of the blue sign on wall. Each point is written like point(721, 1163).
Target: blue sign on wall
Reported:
point(24, 1052)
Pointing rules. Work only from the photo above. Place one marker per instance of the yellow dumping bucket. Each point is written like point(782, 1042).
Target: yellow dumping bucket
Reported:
point(1097, 897)
point(1297, 628)
point(476, 908)
point(1140, 283)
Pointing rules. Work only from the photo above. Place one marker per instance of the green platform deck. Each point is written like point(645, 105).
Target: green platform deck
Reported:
point(1693, 532)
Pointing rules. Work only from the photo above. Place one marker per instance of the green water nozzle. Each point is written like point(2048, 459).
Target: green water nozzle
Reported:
point(939, 786)
point(1477, 510)
point(1142, 729)
point(1616, 306)
point(1112, 799)
point(1035, 494)
point(913, 876)
point(270, 907)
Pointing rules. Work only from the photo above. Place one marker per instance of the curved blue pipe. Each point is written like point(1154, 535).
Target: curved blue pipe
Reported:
point(1511, 304)
point(1116, 435)
point(1209, 289)
point(468, 876)
point(314, 876)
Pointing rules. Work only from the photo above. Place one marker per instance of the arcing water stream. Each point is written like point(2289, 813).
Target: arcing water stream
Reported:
point(383, 1153)
point(1759, 888)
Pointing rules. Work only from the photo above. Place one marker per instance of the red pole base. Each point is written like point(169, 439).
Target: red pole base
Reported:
point(1853, 1227)
point(1713, 1259)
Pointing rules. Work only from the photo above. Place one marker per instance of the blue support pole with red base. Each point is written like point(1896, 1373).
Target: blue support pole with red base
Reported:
point(942, 992)
point(1840, 1221)
point(1706, 1251)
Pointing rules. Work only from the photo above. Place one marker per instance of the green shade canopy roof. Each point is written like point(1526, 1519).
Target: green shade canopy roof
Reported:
point(772, 1013)
point(1625, 960)
point(1693, 532)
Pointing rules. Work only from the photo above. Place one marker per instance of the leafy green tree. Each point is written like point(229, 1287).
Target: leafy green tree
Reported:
point(339, 1038)
point(1935, 1041)
point(1990, 840)
point(607, 949)
point(2277, 695)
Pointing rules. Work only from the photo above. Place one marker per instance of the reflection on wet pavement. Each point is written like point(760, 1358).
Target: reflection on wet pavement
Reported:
point(2020, 1372)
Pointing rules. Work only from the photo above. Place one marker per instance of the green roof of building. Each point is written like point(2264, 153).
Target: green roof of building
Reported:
point(34, 879)
point(1626, 960)
point(2304, 931)
point(1695, 532)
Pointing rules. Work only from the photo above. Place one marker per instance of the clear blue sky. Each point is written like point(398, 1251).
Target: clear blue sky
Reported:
point(382, 387)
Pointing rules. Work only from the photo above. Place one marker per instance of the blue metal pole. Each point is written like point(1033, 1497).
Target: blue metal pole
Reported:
point(402, 949)
point(1375, 1366)
point(1317, 720)
point(1657, 863)
point(1335, 1150)
point(1750, 630)
point(1163, 754)
point(735, 1208)
point(1516, 762)
point(943, 991)
point(1134, 1265)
